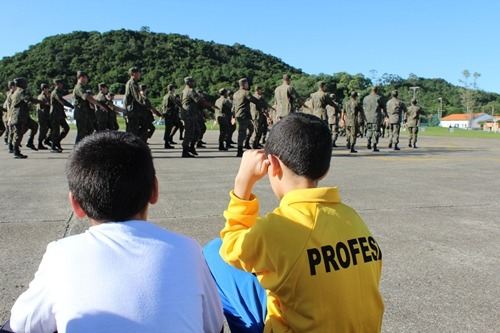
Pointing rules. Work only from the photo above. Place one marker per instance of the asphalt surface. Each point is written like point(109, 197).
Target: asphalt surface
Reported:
point(433, 210)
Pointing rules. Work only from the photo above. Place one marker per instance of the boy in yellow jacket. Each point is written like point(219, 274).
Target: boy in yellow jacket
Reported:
point(315, 258)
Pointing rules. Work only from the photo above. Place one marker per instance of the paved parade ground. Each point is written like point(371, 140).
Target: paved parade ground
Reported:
point(435, 212)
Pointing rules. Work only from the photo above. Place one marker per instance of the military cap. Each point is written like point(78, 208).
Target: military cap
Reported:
point(171, 86)
point(134, 70)
point(21, 82)
point(229, 92)
point(243, 80)
point(287, 77)
point(188, 79)
point(79, 74)
point(143, 86)
point(332, 96)
point(414, 101)
point(394, 93)
point(321, 83)
point(58, 81)
point(222, 91)
point(258, 88)
point(11, 84)
point(44, 86)
point(354, 94)
point(102, 85)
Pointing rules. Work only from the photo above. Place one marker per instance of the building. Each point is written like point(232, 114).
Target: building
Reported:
point(492, 126)
point(461, 120)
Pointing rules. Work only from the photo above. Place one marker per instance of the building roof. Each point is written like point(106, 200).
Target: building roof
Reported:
point(461, 117)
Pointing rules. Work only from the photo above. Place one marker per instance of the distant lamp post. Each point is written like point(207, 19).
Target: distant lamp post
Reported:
point(440, 111)
point(414, 91)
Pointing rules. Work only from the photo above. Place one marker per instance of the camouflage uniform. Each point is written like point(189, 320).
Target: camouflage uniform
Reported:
point(285, 95)
point(333, 114)
point(43, 112)
point(189, 114)
point(102, 116)
point(58, 118)
point(352, 109)
point(170, 114)
point(395, 110)
point(374, 109)
point(320, 99)
point(134, 105)
point(412, 122)
point(259, 120)
point(223, 117)
point(83, 111)
point(20, 119)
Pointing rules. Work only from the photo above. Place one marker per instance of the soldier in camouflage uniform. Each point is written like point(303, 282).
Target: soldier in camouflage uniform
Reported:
point(84, 113)
point(285, 96)
point(6, 106)
point(333, 113)
point(412, 121)
point(19, 118)
point(352, 110)
point(241, 110)
point(260, 118)
point(58, 116)
point(395, 111)
point(190, 101)
point(232, 126)
point(223, 117)
point(375, 112)
point(102, 117)
point(320, 99)
point(170, 113)
point(112, 120)
point(134, 103)
point(43, 112)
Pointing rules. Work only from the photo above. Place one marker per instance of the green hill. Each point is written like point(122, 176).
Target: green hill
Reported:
point(167, 58)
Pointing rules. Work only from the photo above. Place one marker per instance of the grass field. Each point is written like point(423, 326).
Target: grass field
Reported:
point(423, 131)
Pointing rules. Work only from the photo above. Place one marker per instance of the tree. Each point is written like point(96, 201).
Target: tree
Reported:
point(469, 93)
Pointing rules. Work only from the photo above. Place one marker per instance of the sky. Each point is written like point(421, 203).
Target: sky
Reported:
point(428, 38)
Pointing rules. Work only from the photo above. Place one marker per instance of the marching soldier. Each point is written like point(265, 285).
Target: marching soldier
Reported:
point(223, 118)
point(375, 112)
point(395, 110)
point(260, 118)
point(285, 95)
point(413, 121)
point(334, 113)
point(58, 116)
point(320, 99)
point(134, 103)
point(170, 114)
point(352, 109)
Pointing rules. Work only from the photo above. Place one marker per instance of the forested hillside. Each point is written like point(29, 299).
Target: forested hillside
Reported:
point(166, 58)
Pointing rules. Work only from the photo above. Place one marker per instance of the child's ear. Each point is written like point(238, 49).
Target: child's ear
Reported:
point(155, 194)
point(76, 206)
point(274, 165)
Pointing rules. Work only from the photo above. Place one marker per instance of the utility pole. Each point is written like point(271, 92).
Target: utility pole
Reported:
point(440, 112)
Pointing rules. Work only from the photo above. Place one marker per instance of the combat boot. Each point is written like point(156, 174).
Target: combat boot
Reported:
point(48, 142)
point(409, 144)
point(369, 145)
point(18, 155)
point(168, 146)
point(247, 145)
point(353, 150)
point(240, 151)
point(396, 147)
point(185, 153)
point(334, 145)
point(229, 145)
point(11, 148)
point(221, 146)
point(30, 145)
point(390, 145)
point(375, 148)
point(41, 146)
point(199, 144)
point(193, 151)
point(415, 145)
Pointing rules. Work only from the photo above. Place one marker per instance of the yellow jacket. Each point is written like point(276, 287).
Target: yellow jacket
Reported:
point(315, 257)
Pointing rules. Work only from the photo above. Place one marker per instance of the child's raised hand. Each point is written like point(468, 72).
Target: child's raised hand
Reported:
point(253, 167)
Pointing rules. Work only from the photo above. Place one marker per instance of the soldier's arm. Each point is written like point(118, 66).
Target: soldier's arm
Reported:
point(93, 101)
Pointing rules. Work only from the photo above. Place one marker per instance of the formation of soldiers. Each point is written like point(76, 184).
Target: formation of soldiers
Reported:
point(242, 110)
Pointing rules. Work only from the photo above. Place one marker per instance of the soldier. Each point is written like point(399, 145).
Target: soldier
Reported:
point(19, 117)
point(58, 116)
point(285, 95)
point(102, 116)
point(241, 110)
point(395, 110)
point(375, 112)
point(333, 114)
point(149, 112)
point(83, 111)
point(260, 118)
point(223, 118)
point(232, 126)
point(112, 121)
point(134, 103)
point(6, 106)
point(413, 121)
point(201, 122)
point(190, 108)
point(43, 112)
point(352, 109)
point(170, 113)
point(320, 99)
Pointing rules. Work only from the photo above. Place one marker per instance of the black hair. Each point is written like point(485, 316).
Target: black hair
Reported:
point(111, 175)
point(303, 143)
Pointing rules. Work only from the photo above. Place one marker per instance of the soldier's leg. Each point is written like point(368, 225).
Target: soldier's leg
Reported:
point(415, 135)
point(55, 130)
point(43, 123)
point(18, 131)
point(223, 129)
point(391, 135)
point(196, 137)
point(33, 127)
point(354, 135)
point(81, 129)
point(242, 134)
point(2, 127)
point(188, 137)
point(167, 136)
point(397, 128)
point(369, 135)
